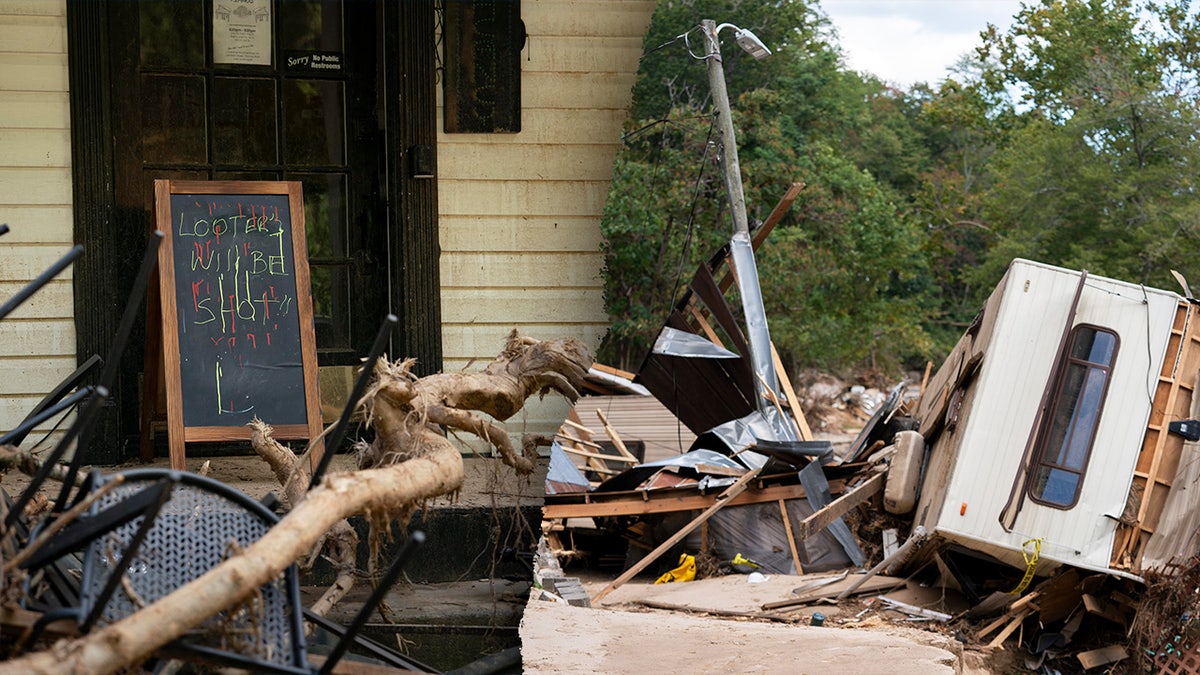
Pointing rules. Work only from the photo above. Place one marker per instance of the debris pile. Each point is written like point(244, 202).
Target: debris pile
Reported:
point(1032, 493)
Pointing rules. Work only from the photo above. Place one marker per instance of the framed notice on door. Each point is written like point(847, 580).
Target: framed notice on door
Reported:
point(241, 32)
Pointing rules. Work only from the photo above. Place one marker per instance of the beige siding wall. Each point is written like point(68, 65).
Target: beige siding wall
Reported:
point(520, 213)
point(37, 342)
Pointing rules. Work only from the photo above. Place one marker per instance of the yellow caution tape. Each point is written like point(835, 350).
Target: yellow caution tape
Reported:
point(1031, 561)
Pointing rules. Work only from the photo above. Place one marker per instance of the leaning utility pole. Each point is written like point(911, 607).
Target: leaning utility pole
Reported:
point(766, 382)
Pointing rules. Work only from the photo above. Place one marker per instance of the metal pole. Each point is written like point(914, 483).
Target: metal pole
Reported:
point(740, 246)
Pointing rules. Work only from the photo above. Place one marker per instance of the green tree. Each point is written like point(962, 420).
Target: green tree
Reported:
point(842, 274)
point(1099, 174)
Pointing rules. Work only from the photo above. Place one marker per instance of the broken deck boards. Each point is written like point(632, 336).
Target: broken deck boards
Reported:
point(839, 507)
point(833, 589)
point(1103, 656)
point(1159, 458)
point(643, 502)
point(722, 501)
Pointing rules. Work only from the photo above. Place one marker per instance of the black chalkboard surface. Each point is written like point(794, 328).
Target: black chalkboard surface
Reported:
point(237, 322)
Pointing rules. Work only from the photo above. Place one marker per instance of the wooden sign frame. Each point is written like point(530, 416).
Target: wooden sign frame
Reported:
point(179, 431)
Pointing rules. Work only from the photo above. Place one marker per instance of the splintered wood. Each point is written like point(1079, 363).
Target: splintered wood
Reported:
point(1159, 458)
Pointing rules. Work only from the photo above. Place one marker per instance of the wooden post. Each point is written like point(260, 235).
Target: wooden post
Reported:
point(792, 400)
point(615, 437)
point(787, 528)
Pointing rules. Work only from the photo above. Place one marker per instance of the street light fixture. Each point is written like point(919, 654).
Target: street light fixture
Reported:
point(748, 41)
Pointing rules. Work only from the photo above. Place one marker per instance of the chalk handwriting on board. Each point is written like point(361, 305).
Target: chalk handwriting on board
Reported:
point(235, 288)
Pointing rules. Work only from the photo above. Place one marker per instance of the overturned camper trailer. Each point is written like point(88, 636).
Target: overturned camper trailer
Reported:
point(1047, 427)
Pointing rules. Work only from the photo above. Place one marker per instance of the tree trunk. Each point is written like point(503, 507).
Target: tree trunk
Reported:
point(137, 636)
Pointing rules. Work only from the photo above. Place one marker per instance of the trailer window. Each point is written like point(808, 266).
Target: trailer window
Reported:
point(1069, 428)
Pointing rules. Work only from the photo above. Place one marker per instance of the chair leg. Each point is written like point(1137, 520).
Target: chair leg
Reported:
point(393, 573)
point(109, 375)
point(360, 387)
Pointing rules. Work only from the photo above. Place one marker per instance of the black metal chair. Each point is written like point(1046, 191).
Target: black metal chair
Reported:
point(165, 528)
point(201, 523)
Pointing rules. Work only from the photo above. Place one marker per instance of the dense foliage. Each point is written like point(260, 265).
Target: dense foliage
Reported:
point(1069, 138)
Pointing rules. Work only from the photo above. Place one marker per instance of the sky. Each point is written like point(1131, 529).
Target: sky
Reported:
point(908, 41)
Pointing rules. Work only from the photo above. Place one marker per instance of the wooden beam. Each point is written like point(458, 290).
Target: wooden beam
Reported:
point(1013, 609)
point(760, 235)
point(705, 326)
point(1103, 656)
point(1010, 628)
point(662, 501)
point(777, 213)
point(787, 530)
point(834, 588)
point(839, 507)
point(792, 400)
point(722, 500)
point(577, 426)
point(599, 455)
point(616, 438)
point(614, 371)
point(578, 441)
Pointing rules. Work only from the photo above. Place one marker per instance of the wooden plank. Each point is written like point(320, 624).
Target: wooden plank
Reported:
point(1012, 626)
point(523, 305)
point(502, 269)
point(1104, 609)
point(42, 224)
point(873, 585)
point(664, 503)
point(1015, 608)
point(25, 262)
point(31, 376)
point(1099, 657)
point(1151, 505)
point(777, 213)
point(577, 426)
point(32, 34)
point(793, 401)
point(616, 438)
point(599, 455)
point(579, 442)
point(705, 325)
point(616, 372)
point(791, 538)
point(517, 233)
point(40, 337)
point(36, 147)
point(33, 186)
point(33, 72)
point(1153, 480)
point(52, 301)
point(553, 199)
point(837, 508)
point(723, 500)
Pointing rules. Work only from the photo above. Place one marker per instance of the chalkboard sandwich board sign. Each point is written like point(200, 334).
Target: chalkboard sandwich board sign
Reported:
point(237, 324)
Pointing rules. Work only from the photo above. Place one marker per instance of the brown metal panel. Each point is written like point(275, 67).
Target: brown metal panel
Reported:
point(702, 393)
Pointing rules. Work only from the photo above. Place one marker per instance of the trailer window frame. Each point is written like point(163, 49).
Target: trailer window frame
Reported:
point(1068, 430)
